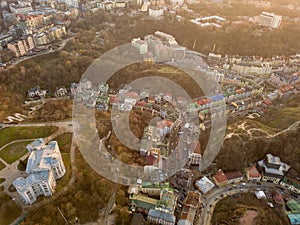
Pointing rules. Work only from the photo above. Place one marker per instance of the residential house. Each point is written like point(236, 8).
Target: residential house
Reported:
point(61, 92)
point(252, 174)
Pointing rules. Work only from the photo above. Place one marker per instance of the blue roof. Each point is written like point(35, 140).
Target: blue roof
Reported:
point(162, 215)
point(294, 219)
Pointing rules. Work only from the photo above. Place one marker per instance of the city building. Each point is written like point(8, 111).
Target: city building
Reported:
point(163, 213)
point(20, 8)
point(272, 168)
point(156, 12)
point(44, 167)
point(204, 185)
point(252, 174)
point(189, 208)
point(141, 45)
point(21, 47)
point(269, 20)
point(221, 178)
point(291, 181)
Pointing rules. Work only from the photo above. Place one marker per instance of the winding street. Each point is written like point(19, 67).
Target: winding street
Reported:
point(210, 200)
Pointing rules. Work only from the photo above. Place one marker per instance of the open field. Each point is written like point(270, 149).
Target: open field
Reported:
point(18, 133)
point(2, 166)
point(64, 143)
point(13, 152)
point(230, 209)
point(9, 211)
point(283, 116)
point(2, 180)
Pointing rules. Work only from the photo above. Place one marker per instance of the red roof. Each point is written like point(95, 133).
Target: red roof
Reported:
point(278, 198)
point(151, 159)
point(253, 172)
point(233, 175)
point(196, 147)
point(133, 95)
point(220, 176)
point(164, 123)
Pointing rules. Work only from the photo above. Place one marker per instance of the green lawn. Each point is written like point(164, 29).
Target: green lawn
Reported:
point(2, 180)
point(14, 151)
point(64, 143)
point(16, 133)
point(9, 211)
point(2, 166)
point(232, 208)
point(284, 116)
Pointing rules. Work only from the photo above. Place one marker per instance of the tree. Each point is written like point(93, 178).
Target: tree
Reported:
point(21, 165)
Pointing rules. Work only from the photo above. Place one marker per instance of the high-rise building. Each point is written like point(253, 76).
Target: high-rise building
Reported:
point(270, 20)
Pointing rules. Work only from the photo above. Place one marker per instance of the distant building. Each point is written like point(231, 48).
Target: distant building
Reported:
point(222, 178)
point(21, 47)
point(44, 167)
point(270, 20)
point(272, 168)
point(156, 12)
point(204, 185)
point(70, 3)
point(20, 8)
point(141, 45)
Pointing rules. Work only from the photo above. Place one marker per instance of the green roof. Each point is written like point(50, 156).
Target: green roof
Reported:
point(144, 202)
point(292, 182)
point(294, 206)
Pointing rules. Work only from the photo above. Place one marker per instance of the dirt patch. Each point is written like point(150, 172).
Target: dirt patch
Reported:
point(248, 217)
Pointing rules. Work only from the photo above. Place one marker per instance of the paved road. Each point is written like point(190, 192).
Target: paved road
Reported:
point(212, 199)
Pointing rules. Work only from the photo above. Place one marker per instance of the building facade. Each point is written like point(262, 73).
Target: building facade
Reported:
point(44, 167)
point(270, 20)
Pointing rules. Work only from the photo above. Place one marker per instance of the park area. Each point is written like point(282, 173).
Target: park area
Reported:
point(246, 209)
point(13, 141)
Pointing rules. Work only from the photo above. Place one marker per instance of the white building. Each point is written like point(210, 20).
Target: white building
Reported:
point(270, 20)
point(141, 45)
point(204, 185)
point(44, 166)
point(70, 3)
point(273, 169)
point(156, 12)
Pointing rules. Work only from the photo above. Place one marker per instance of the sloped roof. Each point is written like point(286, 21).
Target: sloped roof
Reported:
point(162, 215)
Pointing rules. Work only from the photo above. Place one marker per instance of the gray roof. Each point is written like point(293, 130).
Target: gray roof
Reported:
point(162, 215)
point(23, 183)
point(283, 167)
point(204, 185)
point(43, 158)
